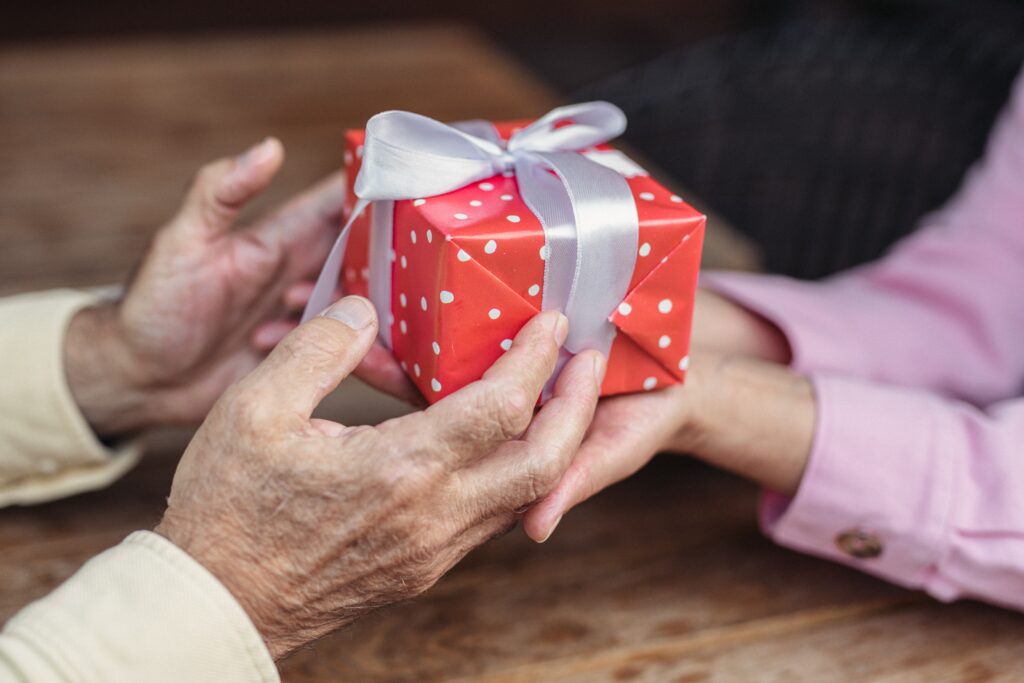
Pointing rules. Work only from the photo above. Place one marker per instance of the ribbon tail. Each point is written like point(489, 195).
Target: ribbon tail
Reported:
point(382, 235)
point(328, 280)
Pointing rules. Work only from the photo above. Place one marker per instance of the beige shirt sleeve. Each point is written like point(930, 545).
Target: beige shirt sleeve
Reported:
point(47, 450)
point(141, 612)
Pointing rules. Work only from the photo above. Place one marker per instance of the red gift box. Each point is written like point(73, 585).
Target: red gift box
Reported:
point(467, 272)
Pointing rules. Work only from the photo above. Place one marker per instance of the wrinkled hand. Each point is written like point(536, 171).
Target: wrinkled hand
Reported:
point(199, 311)
point(311, 524)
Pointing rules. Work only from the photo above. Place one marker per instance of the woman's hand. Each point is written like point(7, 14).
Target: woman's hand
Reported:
point(747, 416)
point(312, 524)
point(197, 313)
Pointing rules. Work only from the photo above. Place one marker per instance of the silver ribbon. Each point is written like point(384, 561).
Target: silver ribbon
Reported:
point(586, 209)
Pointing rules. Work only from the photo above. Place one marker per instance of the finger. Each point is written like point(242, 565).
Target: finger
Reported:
point(311, 361)
point(308, 223)
point(222, 188)
point(269, 334)
point(500, 406)
point(297, 295)
point(604, 458)
point(381, 371)
point(524, 472)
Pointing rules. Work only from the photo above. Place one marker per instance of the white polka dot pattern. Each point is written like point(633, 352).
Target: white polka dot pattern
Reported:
point(484, 223)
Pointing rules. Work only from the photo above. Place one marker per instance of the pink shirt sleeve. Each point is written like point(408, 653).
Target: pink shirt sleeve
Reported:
point(923, 491)
point(917, 468)
point(944, 310)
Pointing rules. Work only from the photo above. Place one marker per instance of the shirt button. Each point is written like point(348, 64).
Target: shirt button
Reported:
point(859, 543)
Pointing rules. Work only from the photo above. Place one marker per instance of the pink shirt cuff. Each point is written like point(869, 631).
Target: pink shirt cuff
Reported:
point(877, 492)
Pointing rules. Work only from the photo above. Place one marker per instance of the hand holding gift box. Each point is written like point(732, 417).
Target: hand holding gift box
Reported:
point(476, 227)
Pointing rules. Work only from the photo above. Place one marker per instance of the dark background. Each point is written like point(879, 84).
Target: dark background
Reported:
point(571, 42)
point(823, 129)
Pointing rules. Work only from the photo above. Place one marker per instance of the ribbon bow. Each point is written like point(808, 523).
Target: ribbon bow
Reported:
point(586, 209)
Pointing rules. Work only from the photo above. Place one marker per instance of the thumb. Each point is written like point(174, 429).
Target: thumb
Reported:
point(315, 357)
point(222, 188)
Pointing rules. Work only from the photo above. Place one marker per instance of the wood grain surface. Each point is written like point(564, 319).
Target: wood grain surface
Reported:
point(662, 578)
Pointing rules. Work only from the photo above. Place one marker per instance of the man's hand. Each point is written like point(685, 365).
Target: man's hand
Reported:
point(199, 310)
point(748, 416)
point(311, 524)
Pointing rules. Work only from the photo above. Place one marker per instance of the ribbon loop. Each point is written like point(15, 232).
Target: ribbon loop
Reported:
point(571, 128)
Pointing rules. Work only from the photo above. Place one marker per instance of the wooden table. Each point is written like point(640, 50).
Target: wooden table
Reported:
point(663, 578)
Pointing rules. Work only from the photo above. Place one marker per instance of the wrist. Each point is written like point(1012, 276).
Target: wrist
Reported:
point(691, 420)
point(97, 369)
point(753, 418)
point(724, 327)
point(278, 614)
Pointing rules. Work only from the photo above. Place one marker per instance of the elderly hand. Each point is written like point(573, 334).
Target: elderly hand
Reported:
point(748, 416)
point(205, 303)
point(311, 524)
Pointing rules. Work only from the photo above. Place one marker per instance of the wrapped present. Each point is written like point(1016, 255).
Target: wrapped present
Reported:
point(460, 234)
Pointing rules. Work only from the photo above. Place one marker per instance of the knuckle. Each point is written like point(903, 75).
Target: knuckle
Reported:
point(315, 339)
point(511, 410)
point(247, 412)
point(423, 566)
point(544, 477)
point(409, 480)
point(541, 353)
point(209, 173)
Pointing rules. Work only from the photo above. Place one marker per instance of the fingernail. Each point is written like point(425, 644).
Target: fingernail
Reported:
point(552, 529)
point(561, 329)
point(600, 365)
point(354, 311)
point(256, 154)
